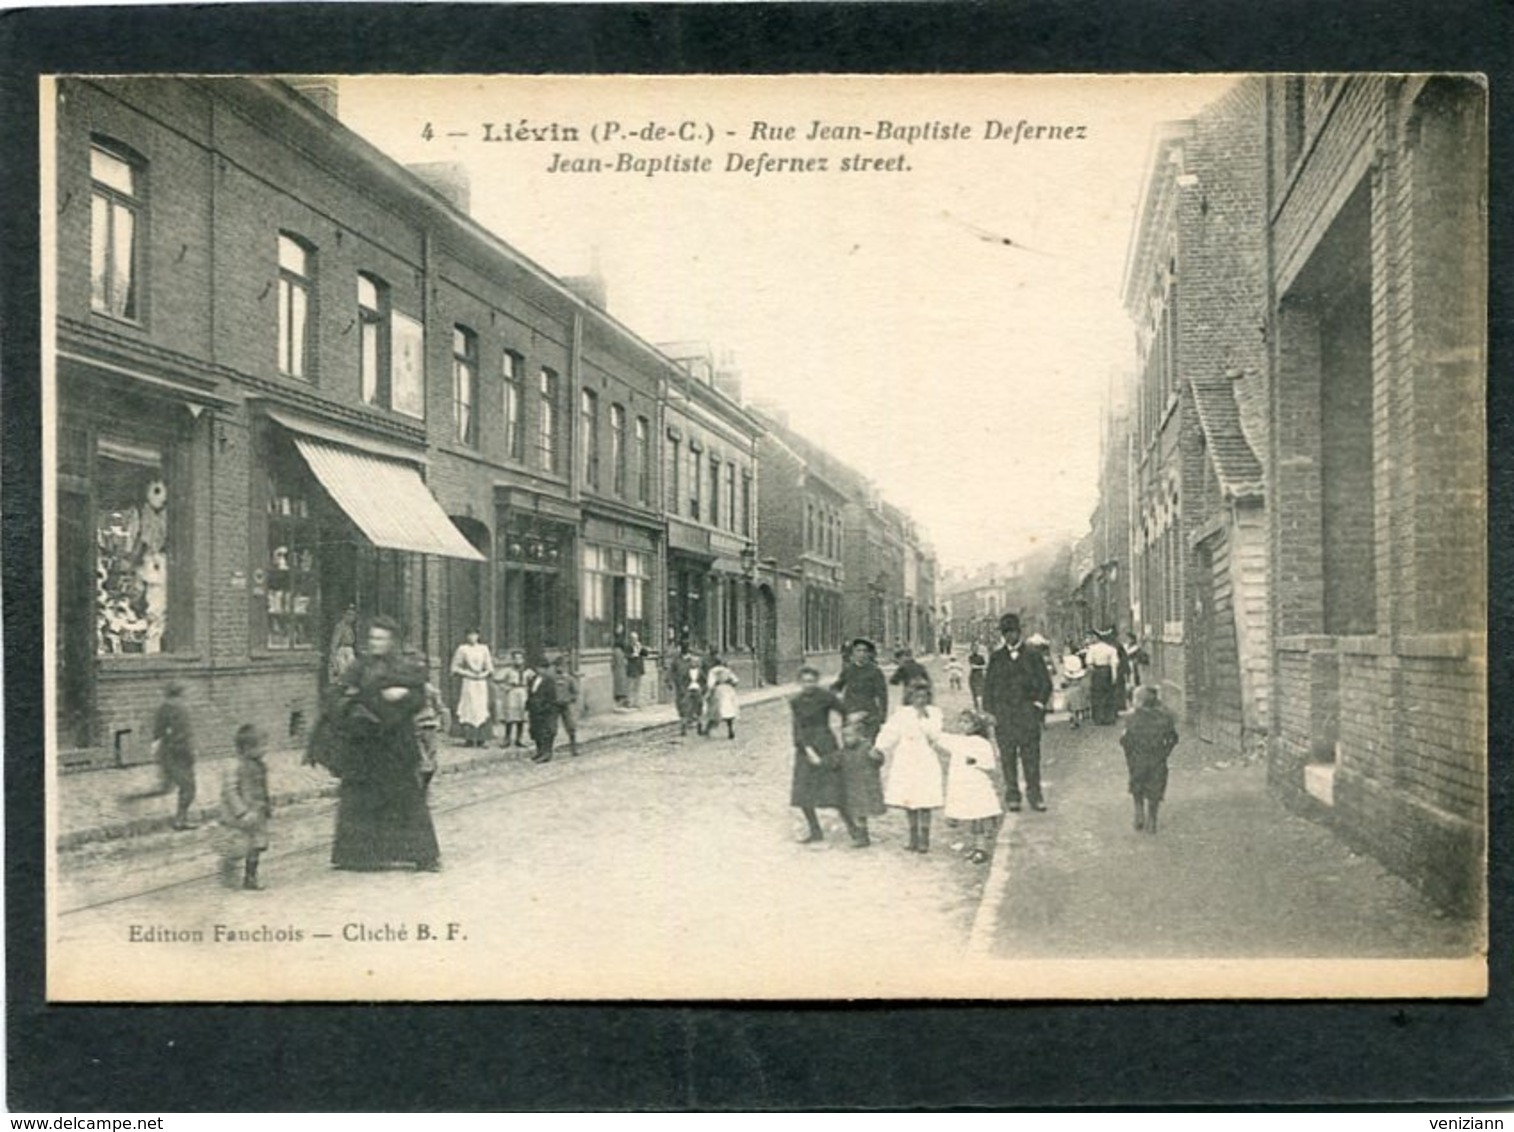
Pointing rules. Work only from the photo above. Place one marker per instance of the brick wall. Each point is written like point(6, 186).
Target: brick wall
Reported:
point(1399, 706)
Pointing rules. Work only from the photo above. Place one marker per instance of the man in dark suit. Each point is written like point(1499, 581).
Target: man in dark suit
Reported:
point(1016, 690)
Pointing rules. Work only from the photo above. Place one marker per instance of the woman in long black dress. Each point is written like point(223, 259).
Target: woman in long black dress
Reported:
point(381, 817)
point(817, 769)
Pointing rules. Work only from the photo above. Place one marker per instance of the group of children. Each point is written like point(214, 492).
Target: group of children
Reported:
point(706, 694)
point(901, 766)
point(505, 695)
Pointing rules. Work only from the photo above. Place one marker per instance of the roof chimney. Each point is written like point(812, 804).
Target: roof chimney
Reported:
point(591, 288)
point(317, 89)
point(447, 178)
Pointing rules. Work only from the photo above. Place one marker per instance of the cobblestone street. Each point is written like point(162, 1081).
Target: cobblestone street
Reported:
point(662, 867)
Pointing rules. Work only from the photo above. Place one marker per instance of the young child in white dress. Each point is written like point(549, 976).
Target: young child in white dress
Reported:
point(912, 776)
point(970, 792)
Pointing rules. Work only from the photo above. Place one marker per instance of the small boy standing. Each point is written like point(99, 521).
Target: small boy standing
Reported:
point(1150, 735)
point(428, 727)
point(245, 809)
point(566, 683)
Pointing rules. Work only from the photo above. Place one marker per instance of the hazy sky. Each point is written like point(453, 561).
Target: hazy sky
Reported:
point(963, 375)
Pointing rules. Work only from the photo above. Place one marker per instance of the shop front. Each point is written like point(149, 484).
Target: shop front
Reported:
point(537, 609)
point(132, 466)
point(618, 586)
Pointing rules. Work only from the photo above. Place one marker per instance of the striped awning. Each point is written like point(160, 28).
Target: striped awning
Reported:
point(387, 499)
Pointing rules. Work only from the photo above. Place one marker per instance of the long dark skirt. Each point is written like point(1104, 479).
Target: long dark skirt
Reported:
point(815, 787)
point(381, 822)
point(975, 686)
point(1102, 695)
point(861, 782)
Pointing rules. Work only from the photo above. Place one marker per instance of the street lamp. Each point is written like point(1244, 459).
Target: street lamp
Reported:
point(749, 571)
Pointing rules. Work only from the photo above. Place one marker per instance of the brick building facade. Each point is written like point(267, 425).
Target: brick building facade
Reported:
point(1378, 259)
point(1196, 290)
point(294, 377)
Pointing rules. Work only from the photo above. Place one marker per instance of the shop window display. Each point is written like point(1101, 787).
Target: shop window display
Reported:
point(290, 571)
point(132, 552)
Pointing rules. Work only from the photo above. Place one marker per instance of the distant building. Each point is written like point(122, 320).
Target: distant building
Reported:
point(1196, 291)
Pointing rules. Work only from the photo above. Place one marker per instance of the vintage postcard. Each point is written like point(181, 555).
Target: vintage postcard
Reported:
point(793, 537)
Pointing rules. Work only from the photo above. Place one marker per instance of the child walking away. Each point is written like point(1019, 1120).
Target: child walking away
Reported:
point(970, 793)
point(954, 673)
point(173, 740)
point(566, 683)
point(1150, 735)
point(724, 706)
point(429, 722)
point(245, 809)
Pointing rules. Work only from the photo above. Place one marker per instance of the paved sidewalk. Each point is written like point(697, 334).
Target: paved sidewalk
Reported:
point(97, 805)
point(1232, 874)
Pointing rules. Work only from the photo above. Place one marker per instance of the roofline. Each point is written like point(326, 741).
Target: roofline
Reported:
point(1163, 136)
point(407, 182)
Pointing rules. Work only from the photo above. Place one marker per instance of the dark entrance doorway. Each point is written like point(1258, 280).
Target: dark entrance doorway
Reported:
point(767, 634)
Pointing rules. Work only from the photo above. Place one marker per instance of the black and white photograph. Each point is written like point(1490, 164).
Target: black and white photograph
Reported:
point(791, 537)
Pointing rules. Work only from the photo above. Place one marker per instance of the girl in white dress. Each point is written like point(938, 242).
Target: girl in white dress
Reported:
point(724, 706)
point(473, 664)
point(970, 793)
point(912, 776)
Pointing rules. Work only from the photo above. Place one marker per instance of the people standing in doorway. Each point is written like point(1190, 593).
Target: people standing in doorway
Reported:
point(512, 681)
point(1103, 663)
point(565, 680)
point(245, 809)
point(382, 819)
point(912, 778)
point(1016, 690)
point(725, 707)
point(343, 644)
point(543, 713)
point(619, 676)
point(174, 744)
point(1150, 735)
point(473, 665)
point(636, 668)
point(977, 667)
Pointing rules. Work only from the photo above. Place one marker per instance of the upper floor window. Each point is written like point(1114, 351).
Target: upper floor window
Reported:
point(464, 385)
point(115, 209)
point(296, 275)
point(694, 481)
point(643, 461)
point(618, 449)
point(730, 497)
point(670, 475)
point(589, 413)
point(715, 491)
point(809, 526)
point(746, 503)
point(546, 421)
point(373, 339)
point(510, 370)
